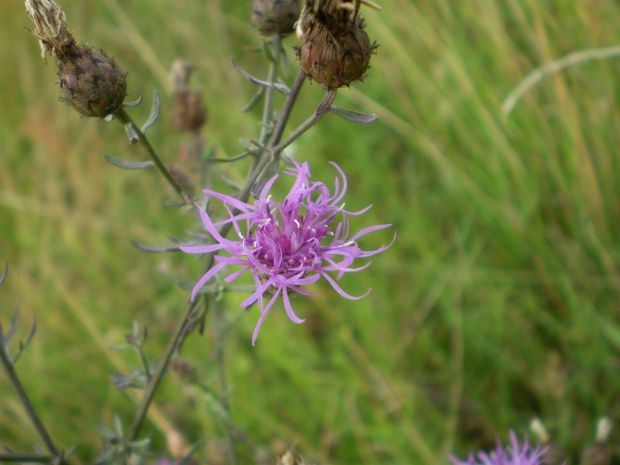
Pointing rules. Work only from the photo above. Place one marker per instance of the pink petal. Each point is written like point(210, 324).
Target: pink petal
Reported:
point(207, 276)
point(263, 316)
point(201, 248)
point(259, 291)
point(369, 230)
point(239, 205)
point(289, 310)
point(339, 290)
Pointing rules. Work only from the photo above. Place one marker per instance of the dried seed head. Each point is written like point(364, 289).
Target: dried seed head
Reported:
point(180, 73)
point(50, 27)
point(91, 81)
point(188, 109)
point(273, 17)
point(189, 113)
point(335, 57)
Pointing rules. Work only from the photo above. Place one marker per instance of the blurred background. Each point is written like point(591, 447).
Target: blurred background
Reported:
point(498, 302)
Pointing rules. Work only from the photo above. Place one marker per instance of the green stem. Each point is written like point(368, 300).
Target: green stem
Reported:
point(210, 258)
point(145, 363)
point(287, 108)
point(219, 354)
point(271, 78)
point(268, 164)
point(298, 131)
point(125, 119)
point(7, 364)
point(161, 370)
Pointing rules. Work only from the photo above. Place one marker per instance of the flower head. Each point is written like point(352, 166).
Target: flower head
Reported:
point(512, 455)
point(90, 80)
point(287, 245)
point(334, 48)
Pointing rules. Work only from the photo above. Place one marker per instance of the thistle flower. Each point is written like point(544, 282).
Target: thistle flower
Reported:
point(512, 455)
point(287, 245)
point(90, 80)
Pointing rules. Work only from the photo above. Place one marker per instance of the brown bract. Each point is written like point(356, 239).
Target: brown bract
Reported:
point(50, 27)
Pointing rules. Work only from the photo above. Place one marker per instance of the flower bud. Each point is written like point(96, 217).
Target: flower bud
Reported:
point(335, 57)
point(275, 16)
point(91, 81)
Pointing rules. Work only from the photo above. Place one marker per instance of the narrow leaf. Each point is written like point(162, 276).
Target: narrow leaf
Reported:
point(118, 425)
point(174, 203)
point(128, 165)
point(267, 51)
point(4, 273)
point(139, 443)
point(155, 248)
point(108, 433)
point(154, 112)
point(13, 328)
point(24, 344)
point(276, 85)
point(354, 116)
point(193, 450)
point(135, 103)
point(254, 100)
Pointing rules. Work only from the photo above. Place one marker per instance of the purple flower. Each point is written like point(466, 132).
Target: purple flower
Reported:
point(512, 455)
point(287, 245)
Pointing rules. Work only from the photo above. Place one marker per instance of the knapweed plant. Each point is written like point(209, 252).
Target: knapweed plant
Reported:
point(279, 246)
point(514, 454)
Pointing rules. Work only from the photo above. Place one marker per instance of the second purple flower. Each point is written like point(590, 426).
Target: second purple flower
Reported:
point(287, 245)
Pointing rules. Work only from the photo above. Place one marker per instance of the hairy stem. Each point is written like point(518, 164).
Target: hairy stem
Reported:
point(7, 364)
point(243, 195)
point(124, 118)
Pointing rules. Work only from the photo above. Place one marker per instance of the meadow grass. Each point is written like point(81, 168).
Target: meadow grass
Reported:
point(498, 301)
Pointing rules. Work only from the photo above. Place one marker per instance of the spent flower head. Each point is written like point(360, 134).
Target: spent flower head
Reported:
point(90, 80)
point(287, 245)
point(334, 48)
point(50, 27)
point(514, 454)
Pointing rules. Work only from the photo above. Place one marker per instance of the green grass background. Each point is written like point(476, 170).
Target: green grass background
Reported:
point(499, 300)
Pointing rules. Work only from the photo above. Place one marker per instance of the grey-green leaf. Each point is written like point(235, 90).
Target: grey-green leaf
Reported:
point(354, 116)
point(154, 112)
point(128, 165)
point(135, 103)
